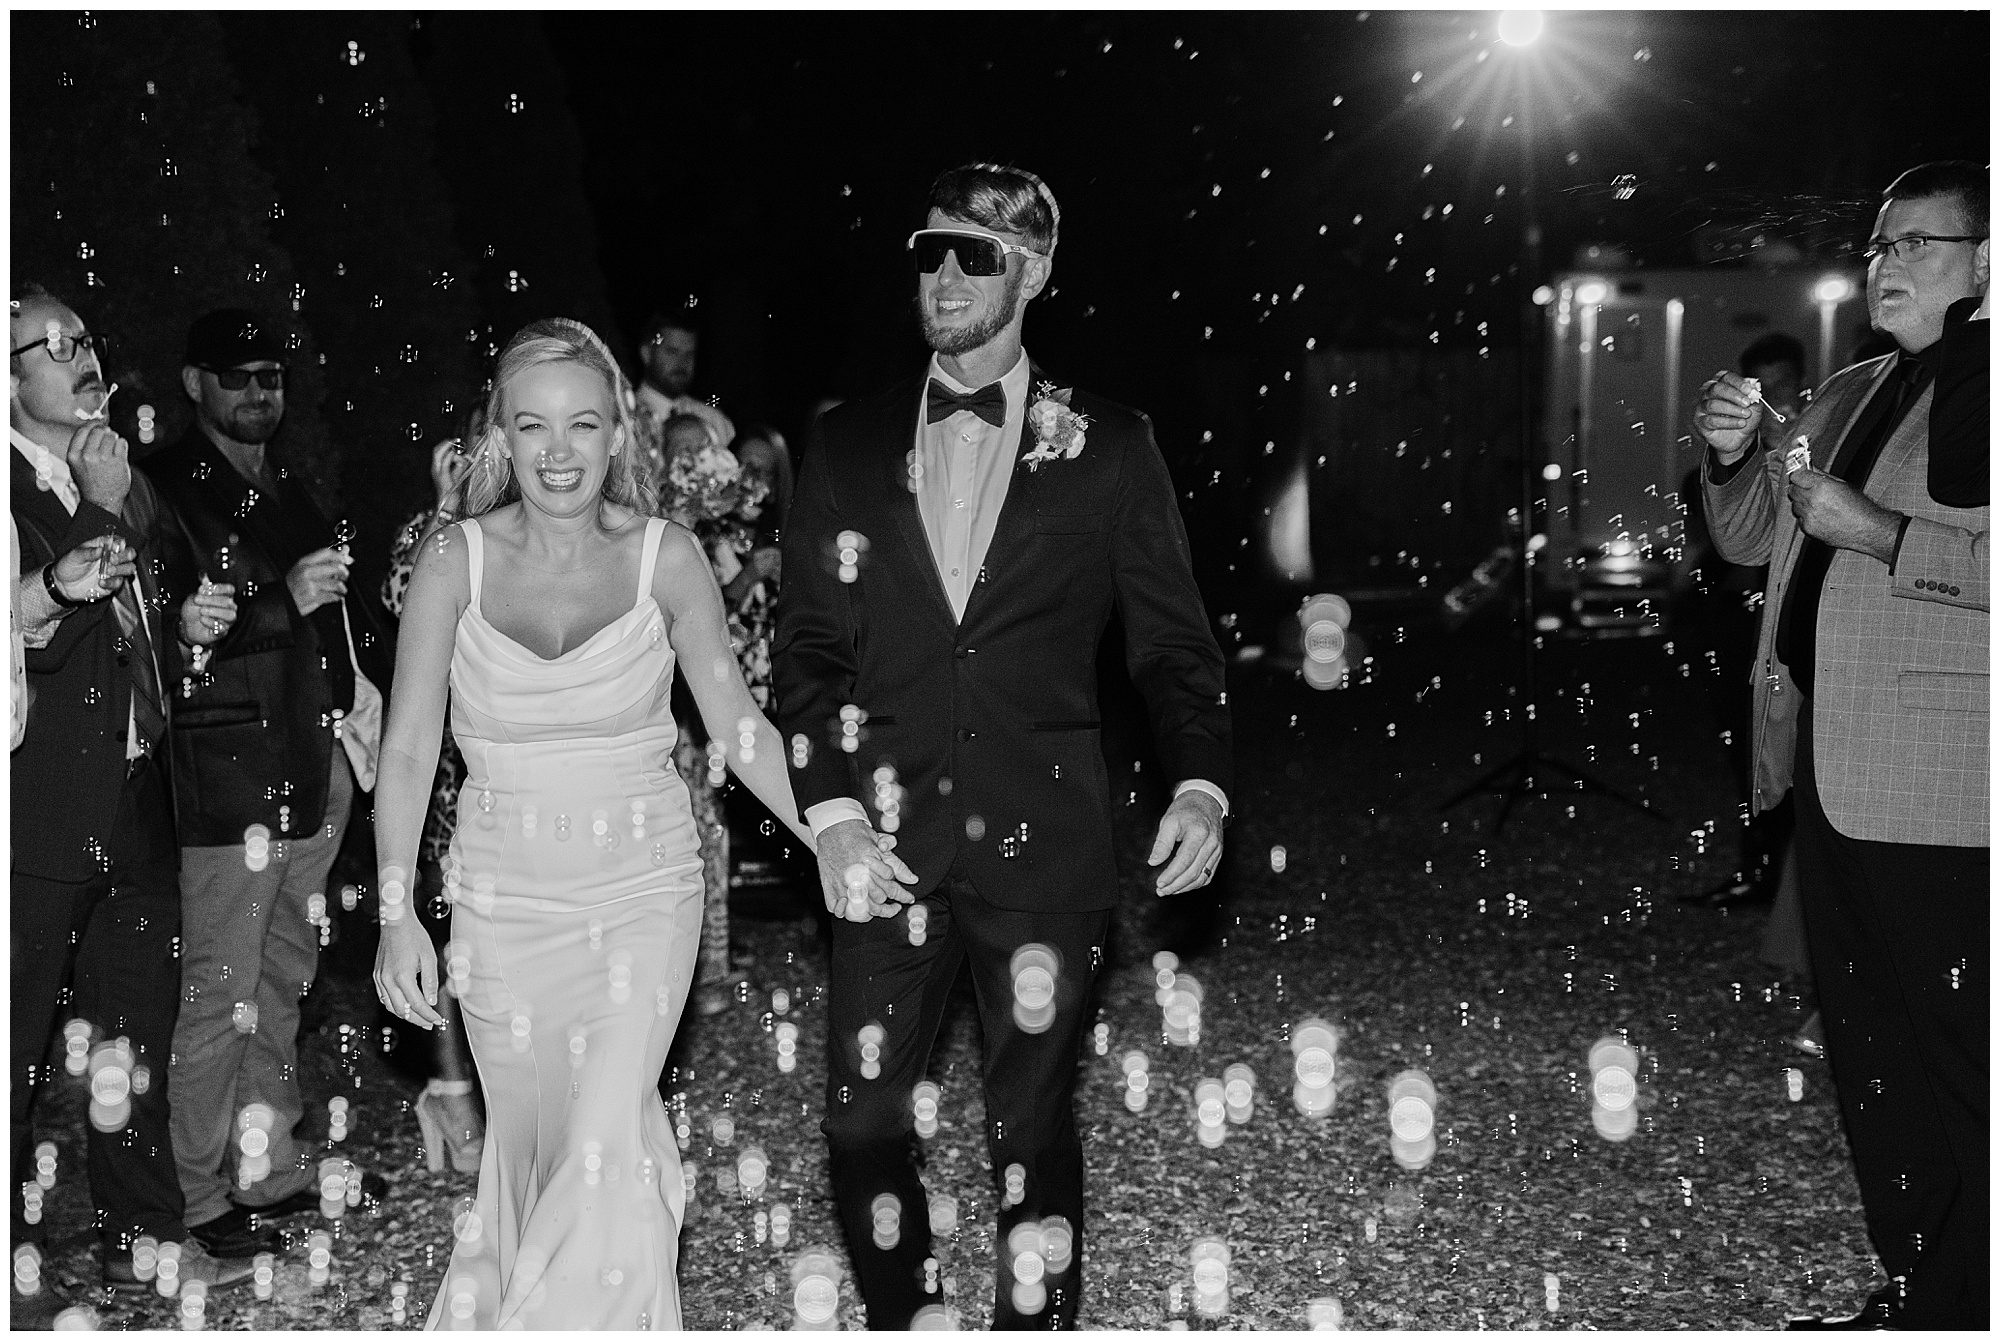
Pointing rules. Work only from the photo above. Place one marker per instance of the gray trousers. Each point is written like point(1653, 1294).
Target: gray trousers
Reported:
point(248, 954)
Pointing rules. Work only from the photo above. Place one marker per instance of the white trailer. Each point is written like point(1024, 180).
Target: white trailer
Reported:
point(1627, 352)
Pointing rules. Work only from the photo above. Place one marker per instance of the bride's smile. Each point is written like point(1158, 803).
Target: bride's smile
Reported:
point(562, 434)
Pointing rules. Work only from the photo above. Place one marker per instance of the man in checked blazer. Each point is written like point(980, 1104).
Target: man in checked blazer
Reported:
point(956, 548)
point(1872, 704)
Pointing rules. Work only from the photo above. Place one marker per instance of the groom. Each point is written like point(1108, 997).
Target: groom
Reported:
point(956, 548)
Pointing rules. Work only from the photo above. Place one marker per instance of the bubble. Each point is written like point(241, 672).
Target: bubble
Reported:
point(466, 1226)
point(1034, 969)
point(1209, 1258)
point(815, 1287)
point(1412, 1104)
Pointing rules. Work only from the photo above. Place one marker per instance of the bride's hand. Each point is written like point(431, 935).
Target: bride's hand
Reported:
point(406, 972)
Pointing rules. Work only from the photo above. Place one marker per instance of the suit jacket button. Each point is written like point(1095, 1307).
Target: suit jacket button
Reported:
point(1952, 592)
point(964, 733)
point(961, 652)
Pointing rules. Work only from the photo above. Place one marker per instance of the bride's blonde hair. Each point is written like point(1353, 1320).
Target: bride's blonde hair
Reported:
point(629, 481)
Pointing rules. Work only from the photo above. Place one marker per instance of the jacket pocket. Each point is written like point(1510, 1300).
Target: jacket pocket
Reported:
point(216, 714)
point(1078, 725)
point(1944, 691)
point(1067, 523)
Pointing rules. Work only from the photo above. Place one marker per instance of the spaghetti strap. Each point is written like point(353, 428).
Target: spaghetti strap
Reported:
point(650, 553)
point(475, 554)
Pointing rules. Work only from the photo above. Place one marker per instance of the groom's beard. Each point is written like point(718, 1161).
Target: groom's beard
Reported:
point(955, 340)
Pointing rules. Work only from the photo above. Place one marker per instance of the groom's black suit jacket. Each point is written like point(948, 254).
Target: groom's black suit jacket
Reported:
point(990, 723)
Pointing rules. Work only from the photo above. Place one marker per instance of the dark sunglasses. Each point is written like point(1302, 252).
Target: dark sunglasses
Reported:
point(978, 254)
point(235, 379)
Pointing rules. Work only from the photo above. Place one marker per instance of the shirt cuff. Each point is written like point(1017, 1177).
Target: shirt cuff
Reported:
point(1718, 473)
point(1896, 552)
point(826, 814)
point(38, 614)
point(1207, 789)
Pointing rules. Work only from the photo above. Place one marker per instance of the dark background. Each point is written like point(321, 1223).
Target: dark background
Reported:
point(1237, 189)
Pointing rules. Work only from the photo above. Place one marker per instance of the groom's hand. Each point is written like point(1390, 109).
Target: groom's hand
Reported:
point(858, 875)
point(1192, 831)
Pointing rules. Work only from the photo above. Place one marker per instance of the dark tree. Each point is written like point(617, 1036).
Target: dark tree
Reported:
point(136, 199)
point(348, 135)
point(511, 155)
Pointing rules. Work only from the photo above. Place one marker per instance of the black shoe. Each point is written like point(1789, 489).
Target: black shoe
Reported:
point(216, 1271)
point(1877, 1315)
point(237, 1232)
point(374, 1191)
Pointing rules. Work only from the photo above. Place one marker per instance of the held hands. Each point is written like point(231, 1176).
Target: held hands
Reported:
point(859, 874)
point(1828, 508)
point(1191, 830)
point(320, 578)
point(95, 569)
point(208, 614)
point(101, 464)
point(1727, 415)
point(406, 966)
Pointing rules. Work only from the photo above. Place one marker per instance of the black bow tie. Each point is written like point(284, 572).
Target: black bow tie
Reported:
point(989, 403)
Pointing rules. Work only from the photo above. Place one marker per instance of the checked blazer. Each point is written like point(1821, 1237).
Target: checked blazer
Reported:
point(1901, 696)
point(977, 740)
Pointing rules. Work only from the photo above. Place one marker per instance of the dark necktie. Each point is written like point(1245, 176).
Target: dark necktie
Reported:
point(989, 403)
point(148, 710)
point(1798, 620)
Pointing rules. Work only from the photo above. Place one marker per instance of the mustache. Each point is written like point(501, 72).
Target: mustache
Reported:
point(90, 381)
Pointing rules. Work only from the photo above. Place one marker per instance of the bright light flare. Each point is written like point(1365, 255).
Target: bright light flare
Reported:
point(1520, 27)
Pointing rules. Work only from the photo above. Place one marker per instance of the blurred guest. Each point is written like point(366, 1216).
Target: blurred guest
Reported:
point(667, 350)
point(1873, 708)
point(94, 903)
point(448, 1109)
point(264, 777)
point(1728, 596)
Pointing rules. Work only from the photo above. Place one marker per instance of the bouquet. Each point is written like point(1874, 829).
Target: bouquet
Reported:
point(707, 485)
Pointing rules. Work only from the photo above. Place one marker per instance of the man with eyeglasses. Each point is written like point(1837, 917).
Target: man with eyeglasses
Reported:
point(94, 893)
point(263, 779)
point(956, 547)
point(1873, 708)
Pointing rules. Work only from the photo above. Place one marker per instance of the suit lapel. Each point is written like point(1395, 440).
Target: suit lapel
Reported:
point(1017, 514)
point(1824, 451)
point(904, 434)
point(43, 515)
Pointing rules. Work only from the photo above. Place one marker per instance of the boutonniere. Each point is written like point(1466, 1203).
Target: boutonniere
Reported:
point(1059, 430)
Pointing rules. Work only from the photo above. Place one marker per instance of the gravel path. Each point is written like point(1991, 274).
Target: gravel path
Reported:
point(1491, 961)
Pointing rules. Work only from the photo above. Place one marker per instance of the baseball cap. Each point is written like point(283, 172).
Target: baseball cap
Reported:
point(231, 337)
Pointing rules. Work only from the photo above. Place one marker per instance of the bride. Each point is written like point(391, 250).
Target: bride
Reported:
point(551, 618)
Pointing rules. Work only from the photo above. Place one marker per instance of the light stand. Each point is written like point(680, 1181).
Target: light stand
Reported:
point(1525, 774)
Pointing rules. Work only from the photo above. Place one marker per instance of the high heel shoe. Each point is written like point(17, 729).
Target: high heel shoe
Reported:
point(441, 1135)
